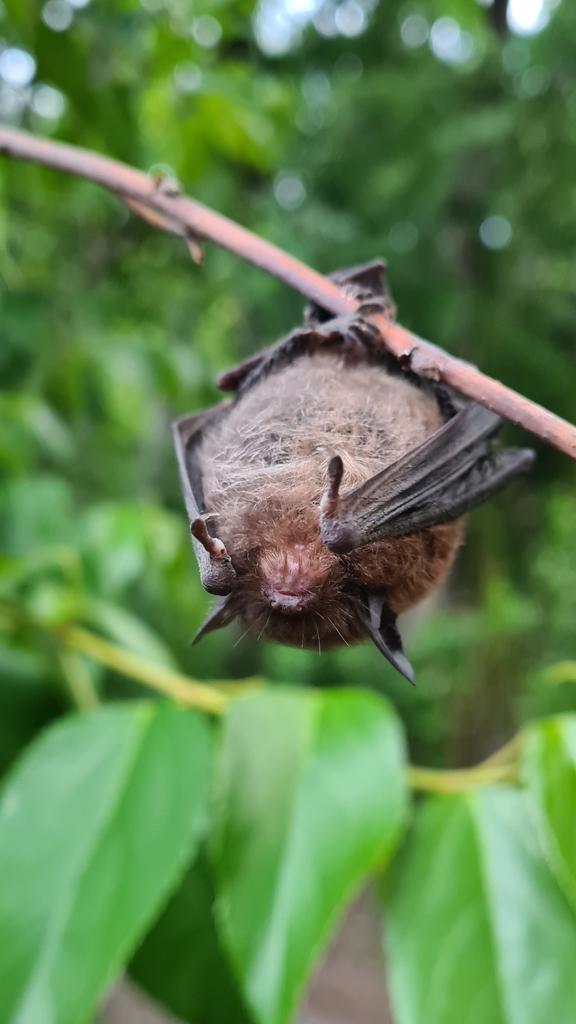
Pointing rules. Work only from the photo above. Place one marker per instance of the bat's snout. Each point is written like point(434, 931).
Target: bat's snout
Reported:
point(290, 604)
point(293, 575)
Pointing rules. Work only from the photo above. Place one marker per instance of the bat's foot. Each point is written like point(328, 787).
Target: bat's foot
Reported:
point(354, 335)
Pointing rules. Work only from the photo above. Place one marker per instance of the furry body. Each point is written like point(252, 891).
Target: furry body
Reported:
point(327, 496)
point(264, 470)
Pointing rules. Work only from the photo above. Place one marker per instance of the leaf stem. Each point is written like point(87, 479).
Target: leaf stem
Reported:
point(172, 684)
point(499, 767)
point(442, 781)
point(78, 680)
point(506, 754)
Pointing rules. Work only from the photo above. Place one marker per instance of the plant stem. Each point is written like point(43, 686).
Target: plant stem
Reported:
point(439, 781)
point(505, 755)
point(78, 680)
point(172, 684)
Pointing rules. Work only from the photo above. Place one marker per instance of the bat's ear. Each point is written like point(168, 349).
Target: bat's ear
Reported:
point(370, 277)
point(365, 281)
point(380, 625)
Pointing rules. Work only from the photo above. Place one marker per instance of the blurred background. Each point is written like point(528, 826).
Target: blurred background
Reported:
point(440, 135)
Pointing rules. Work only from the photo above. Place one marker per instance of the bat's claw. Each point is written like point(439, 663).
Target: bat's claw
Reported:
point(194, 246)
point(217, 573)
point(330, 498)
point(337, 534)
point(381, 305)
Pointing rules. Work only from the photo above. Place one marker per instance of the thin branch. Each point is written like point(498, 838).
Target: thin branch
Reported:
point(438, 781)
point(158, 202)
point(172, 684)
point(78, 680)
point(497, 14)
point(500, 767)
point(187, 691)
point(509, 752)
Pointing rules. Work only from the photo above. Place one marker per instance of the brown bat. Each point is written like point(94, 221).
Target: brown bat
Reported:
point(327, 496)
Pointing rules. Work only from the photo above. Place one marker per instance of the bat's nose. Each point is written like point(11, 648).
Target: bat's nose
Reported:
point(293, 575)
point(288, 603)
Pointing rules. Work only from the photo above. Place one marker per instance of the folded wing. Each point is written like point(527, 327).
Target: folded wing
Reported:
point(445, 476)
point(216, 570)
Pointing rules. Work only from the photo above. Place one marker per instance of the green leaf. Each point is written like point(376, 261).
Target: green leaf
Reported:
point(549, 766)
point(311, 798)
point(181, 964)
point(96, 822)
point(478, 930)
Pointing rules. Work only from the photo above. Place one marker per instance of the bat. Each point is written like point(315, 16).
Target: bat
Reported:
point(327, 495)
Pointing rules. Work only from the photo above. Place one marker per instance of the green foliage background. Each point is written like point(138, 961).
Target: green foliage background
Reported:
point(107, 331)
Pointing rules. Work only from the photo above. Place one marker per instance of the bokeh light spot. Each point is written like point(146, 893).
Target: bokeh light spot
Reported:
point(414, 31)
point(206, 31)
point(450, 43)
point(527, 17)
point(57, 15)
point(495, 232)
point(48, 103)
point(187, 76)
point(289, 191)
point(403, 236)
point(17, 67)
point(350, 18)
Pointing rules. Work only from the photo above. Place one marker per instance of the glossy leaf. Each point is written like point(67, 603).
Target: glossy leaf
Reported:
point(96, 822)
point(550, 769)
point(181, 963)
point(311, 798)
point(478, 931)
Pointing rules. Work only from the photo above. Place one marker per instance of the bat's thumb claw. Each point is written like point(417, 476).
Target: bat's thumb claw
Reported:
point(336, 534)
point(330, 498)
point(213, 545)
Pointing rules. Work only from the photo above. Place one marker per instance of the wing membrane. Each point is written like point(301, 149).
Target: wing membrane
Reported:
point(445, 476)
point(380, 625)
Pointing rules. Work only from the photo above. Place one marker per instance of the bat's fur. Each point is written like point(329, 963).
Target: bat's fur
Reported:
point(264, 470)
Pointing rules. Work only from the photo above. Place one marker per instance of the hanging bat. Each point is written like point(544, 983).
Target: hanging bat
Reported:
point(327, 496)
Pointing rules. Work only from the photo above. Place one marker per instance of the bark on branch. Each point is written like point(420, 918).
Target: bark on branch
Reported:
point(156, 201)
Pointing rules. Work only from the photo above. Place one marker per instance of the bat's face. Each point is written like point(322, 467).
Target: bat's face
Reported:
point(296, 593)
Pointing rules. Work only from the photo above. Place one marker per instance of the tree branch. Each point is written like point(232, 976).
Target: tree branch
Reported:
point(157, 201)
point(497, 14)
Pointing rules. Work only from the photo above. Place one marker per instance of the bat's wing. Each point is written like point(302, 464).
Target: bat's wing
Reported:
point(365, 282)
point(450, 473)
point(232, 379)
point(221, 614)
point(380, 625)
point(216, 570)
